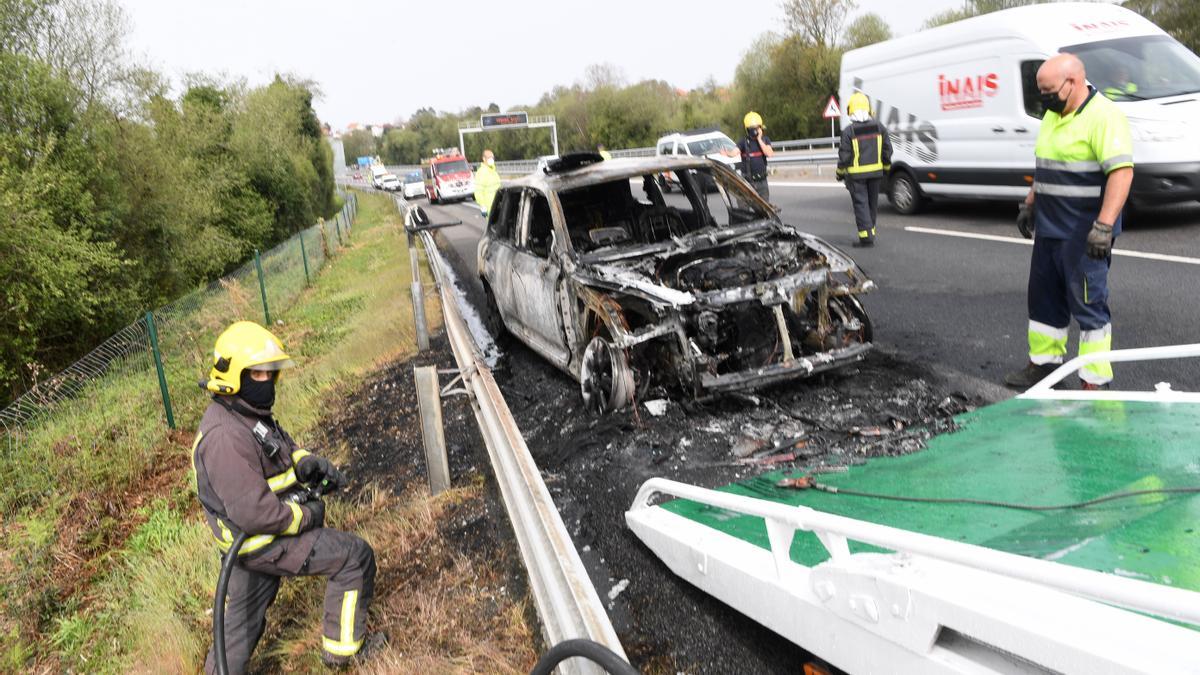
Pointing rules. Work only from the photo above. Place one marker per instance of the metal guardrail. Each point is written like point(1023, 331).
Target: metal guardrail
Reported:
point(566, 601)
point(521, 167)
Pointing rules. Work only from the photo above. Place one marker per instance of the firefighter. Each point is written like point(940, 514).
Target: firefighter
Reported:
point(864, 158)
point(755, 149)
point(248, 471)
point(487, 182)
point(1082, 175)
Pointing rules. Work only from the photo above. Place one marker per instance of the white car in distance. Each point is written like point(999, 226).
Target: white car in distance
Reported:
point(414, 185)
point(390, 183)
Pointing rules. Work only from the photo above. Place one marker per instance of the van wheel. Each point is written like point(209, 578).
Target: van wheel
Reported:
point(904, 193)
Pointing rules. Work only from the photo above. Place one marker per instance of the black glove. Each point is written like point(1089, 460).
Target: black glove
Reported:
point(1099, 241)
point(316, 509)
point(312, 469)
point(1025, 220)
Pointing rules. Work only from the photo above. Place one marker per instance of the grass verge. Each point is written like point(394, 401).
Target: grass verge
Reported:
point(105, 565)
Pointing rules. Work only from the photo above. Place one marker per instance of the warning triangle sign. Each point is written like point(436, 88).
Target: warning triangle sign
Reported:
point(832, 110)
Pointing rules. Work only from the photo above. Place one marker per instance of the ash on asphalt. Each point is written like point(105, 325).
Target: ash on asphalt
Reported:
point(593, 466)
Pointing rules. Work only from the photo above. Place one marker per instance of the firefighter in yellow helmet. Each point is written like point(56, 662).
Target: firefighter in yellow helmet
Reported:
point(249, 473)
point(755, 149)
point(864, 159)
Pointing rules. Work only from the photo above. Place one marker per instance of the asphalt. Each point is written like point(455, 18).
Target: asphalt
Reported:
point(960, 304)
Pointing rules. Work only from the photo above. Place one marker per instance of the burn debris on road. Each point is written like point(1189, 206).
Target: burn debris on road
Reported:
point(594, 464)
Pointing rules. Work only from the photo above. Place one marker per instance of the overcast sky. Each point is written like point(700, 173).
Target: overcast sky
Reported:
point(377, 61)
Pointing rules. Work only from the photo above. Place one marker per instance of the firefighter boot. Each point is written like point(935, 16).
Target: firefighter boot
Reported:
point(1030, 375)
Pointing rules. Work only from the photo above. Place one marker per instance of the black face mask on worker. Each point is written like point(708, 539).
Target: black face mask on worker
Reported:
point(260, 395)
point(1051, 101)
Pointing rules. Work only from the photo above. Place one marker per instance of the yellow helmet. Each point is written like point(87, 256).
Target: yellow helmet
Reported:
point(752, 119)
point(858, 103)
point(244, 345)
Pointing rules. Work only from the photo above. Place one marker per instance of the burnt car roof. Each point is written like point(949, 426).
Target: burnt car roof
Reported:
point(607, 170)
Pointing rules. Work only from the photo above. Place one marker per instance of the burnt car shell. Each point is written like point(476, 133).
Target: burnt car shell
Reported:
point(685, 302)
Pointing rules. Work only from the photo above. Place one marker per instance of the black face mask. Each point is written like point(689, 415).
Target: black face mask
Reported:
point(260, 395)
point(1052, 102)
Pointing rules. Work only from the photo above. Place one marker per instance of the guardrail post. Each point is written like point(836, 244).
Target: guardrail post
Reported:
point(262, 286)
point(304, 257)
point(158, 366)
point(418, 296)
point(429, 404)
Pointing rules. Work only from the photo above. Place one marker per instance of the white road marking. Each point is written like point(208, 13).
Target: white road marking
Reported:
point(807, 184)
point(1029, 242)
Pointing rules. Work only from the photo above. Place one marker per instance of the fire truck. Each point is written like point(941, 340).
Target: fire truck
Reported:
point(447, 176)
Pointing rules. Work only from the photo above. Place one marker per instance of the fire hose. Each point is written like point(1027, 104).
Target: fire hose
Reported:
point(586, 649)
point(302, 496)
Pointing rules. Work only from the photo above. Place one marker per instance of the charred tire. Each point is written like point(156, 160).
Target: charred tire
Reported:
point(605, 379)
point(849, 306)
point(904, 193)
point(491, 317)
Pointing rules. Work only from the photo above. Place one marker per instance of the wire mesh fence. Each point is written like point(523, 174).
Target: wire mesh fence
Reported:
point(123, 372)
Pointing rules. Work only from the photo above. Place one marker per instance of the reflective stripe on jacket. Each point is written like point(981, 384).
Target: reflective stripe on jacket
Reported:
point(1074, 155)
point(239, 486)
point(865, 151)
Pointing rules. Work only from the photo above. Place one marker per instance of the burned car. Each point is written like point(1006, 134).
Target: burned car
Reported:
point(629, 289)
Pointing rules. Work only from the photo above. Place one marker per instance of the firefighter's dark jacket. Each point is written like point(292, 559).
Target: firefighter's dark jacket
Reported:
point(865, 151)
point(241, 488)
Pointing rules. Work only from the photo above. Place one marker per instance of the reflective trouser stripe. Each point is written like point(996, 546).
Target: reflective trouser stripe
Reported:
point(1047, 344)
point(345, 645)
point(863, 234)
point(1091, 341)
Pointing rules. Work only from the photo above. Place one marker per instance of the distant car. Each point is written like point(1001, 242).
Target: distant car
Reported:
point(357, 175)
point(390, 183)
point(629, 291)
point(710, 143)
point(414, 185)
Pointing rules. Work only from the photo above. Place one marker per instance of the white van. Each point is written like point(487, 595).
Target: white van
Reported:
point(711, 143)
point(961, 100)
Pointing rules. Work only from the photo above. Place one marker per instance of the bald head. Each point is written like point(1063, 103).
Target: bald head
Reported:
point(1065, 76)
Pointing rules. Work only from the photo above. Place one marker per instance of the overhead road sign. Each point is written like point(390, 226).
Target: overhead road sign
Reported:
point(509, 119)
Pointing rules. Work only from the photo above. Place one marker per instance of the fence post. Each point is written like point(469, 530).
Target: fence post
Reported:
point(158, 365)
point(337, 222)
point(304, 257)
point(262, 286)
point(433, 435)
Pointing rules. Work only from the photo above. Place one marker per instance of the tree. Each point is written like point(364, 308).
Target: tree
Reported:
point(972, 8)
point(1180, 19)
point(867, 30)
point(359, 143)
point(817, 22)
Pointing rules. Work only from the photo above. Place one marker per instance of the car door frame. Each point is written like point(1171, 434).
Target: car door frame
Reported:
point(497, 261)
point(539, 280)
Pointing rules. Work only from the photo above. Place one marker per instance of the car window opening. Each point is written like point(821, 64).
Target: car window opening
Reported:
point(634, 212)
point(541, 225)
